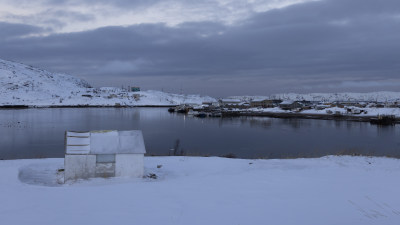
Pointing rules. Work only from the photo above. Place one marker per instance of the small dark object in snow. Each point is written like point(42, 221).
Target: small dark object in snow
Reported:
point(250, 163)
point(230, 155)
point(152, 176)
point(60, 170)
point(159, 166)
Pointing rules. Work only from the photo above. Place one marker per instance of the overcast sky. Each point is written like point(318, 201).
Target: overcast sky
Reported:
point(214, 47)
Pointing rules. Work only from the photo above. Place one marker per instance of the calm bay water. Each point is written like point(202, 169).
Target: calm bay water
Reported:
point(33, 133)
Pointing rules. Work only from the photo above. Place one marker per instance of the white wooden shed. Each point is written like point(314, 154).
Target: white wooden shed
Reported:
point(105, 153)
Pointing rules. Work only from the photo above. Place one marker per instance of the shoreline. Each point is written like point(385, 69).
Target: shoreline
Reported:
point(286, 115)
point(233, 156)
point(80, 106)
point(226, 114)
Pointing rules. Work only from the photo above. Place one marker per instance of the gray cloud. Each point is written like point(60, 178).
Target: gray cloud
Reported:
point(329, 45)
point(51, 18)
point(119, 3)
point(16, 31)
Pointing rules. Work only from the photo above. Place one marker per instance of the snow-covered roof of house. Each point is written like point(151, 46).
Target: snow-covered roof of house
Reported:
point(259, 99)
point(105, 142)
point(287, 102)
point(210, 101)
point(109, 88)
point(227, 100)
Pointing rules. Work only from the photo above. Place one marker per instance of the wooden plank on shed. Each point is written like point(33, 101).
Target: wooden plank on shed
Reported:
point(71, 149)
point(78, 141)
point(78, 134)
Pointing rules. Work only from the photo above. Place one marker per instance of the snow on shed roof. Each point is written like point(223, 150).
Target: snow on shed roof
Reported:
point(105, 142)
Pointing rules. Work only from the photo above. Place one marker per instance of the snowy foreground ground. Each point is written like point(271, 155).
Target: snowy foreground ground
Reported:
point(197, 190)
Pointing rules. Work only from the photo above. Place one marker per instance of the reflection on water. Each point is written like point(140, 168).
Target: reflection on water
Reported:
point(32, 133)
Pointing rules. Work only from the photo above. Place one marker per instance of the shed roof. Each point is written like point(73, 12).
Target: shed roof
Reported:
point(105, 142)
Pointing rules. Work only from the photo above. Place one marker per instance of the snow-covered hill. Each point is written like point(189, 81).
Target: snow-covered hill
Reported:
point(22, 82)
point(25, 85)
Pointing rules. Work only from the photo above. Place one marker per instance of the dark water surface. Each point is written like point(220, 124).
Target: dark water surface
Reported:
point(33, 133)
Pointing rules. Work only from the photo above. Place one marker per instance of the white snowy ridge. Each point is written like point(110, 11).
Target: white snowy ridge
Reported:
point(25, 85)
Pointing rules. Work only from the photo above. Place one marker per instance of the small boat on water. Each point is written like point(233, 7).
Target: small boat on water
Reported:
point(192, 113)
point(182, 110)
point(384, 120)
point(202, 115)
point(171, 110)
point(216, 114)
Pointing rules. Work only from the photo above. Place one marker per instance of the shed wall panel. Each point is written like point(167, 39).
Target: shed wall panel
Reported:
point(79, 166)
point(77, 149)
point(129, 165)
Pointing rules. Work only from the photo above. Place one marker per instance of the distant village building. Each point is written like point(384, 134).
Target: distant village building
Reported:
point(103, 154)
point(306, 103)
point(337, 104)
point(290, 105)
point(233, 103)
point(210, 103)
point(391, 105)
point(362, 104)
point(354, 110)
point(109, 89)
point(349, 103)
point(112, 96)
point(134, 89)
point(264, 103)
point(380, 105)
point(322, 107)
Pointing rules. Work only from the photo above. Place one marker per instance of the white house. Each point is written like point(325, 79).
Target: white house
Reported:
point(103, 154)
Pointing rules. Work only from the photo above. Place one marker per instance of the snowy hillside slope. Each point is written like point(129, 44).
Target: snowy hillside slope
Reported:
point(17, 81)
point(383, 96)
point(25, 85)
